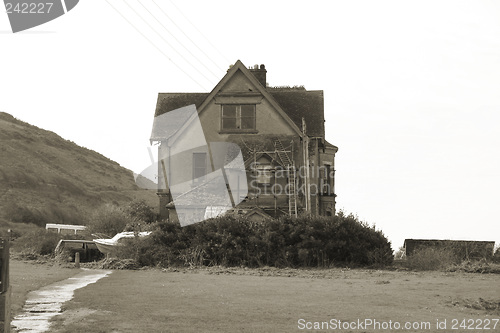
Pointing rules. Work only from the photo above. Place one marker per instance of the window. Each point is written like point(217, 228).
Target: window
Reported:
point(238, 117)
point(199, 166)
point(326, 180)
point(264, 174)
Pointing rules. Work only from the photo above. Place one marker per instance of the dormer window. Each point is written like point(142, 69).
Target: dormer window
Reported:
point(238, 117)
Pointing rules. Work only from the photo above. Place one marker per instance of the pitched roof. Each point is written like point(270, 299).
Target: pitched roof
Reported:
point(295, 102)
point(329, 145)
point(298, 103)
point(171, 101)
point(167, 125)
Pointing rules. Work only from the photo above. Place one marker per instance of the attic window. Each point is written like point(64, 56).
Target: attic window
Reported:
point(238, 117)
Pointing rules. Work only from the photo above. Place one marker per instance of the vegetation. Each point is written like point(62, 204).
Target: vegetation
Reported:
point(269, 299)
point(287, 242)
point(108, 219)
point(28, 276)
point(39, 242)
point(228, 241)
point(111, 219)
point(430, 258)
point(47, 179)
point(51, 213)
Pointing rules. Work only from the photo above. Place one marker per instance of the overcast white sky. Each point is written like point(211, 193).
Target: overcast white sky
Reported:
point(412, 91)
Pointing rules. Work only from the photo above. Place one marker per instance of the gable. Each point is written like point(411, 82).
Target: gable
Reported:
point(238, 82)
point(285, 107)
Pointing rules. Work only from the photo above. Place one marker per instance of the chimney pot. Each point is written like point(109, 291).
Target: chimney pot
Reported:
point(260, 74)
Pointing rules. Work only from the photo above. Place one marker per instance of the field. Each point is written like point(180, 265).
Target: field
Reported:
point(271, 300)
point(26, 276)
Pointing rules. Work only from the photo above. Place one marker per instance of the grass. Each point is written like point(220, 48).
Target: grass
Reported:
point(26, 276)
point(258, 300)
point(47, 179)
point(272, 300)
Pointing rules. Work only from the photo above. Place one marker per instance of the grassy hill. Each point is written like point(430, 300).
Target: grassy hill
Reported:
point(47, 179)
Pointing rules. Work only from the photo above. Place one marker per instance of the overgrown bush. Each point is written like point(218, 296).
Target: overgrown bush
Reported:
point(141, 212)
point(292, 242)
point(430, 258)
point(39, 242)
point(109, 220)
point(477, 266)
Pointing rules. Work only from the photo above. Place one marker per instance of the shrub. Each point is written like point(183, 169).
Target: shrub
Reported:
point(477, 266)
point(39, 242)
point(109, 220)
point(430, 258)
point(141, 212)
point(291, 242)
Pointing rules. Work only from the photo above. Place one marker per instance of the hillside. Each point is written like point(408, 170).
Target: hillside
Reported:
point(47, 179)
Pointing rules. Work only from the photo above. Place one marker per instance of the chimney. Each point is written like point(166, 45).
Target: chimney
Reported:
point(260, 74)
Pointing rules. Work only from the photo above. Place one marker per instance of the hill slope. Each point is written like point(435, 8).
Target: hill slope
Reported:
point(46, 179)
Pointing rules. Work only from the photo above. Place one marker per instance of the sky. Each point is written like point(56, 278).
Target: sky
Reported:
point(411, 91)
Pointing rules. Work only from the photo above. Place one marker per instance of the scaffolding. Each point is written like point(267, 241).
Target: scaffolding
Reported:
point(288, 163)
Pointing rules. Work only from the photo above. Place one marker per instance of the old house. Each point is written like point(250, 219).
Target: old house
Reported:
point(275, 134)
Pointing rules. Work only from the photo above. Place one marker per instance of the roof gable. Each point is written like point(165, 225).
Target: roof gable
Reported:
point(252, 83)
point(292, 104)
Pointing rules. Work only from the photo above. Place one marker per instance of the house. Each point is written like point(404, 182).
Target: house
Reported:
point(267, 143)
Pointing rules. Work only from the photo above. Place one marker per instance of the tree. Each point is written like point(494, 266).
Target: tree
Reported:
point(141, 212)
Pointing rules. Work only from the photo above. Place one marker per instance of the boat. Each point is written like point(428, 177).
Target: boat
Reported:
point(108, 245)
